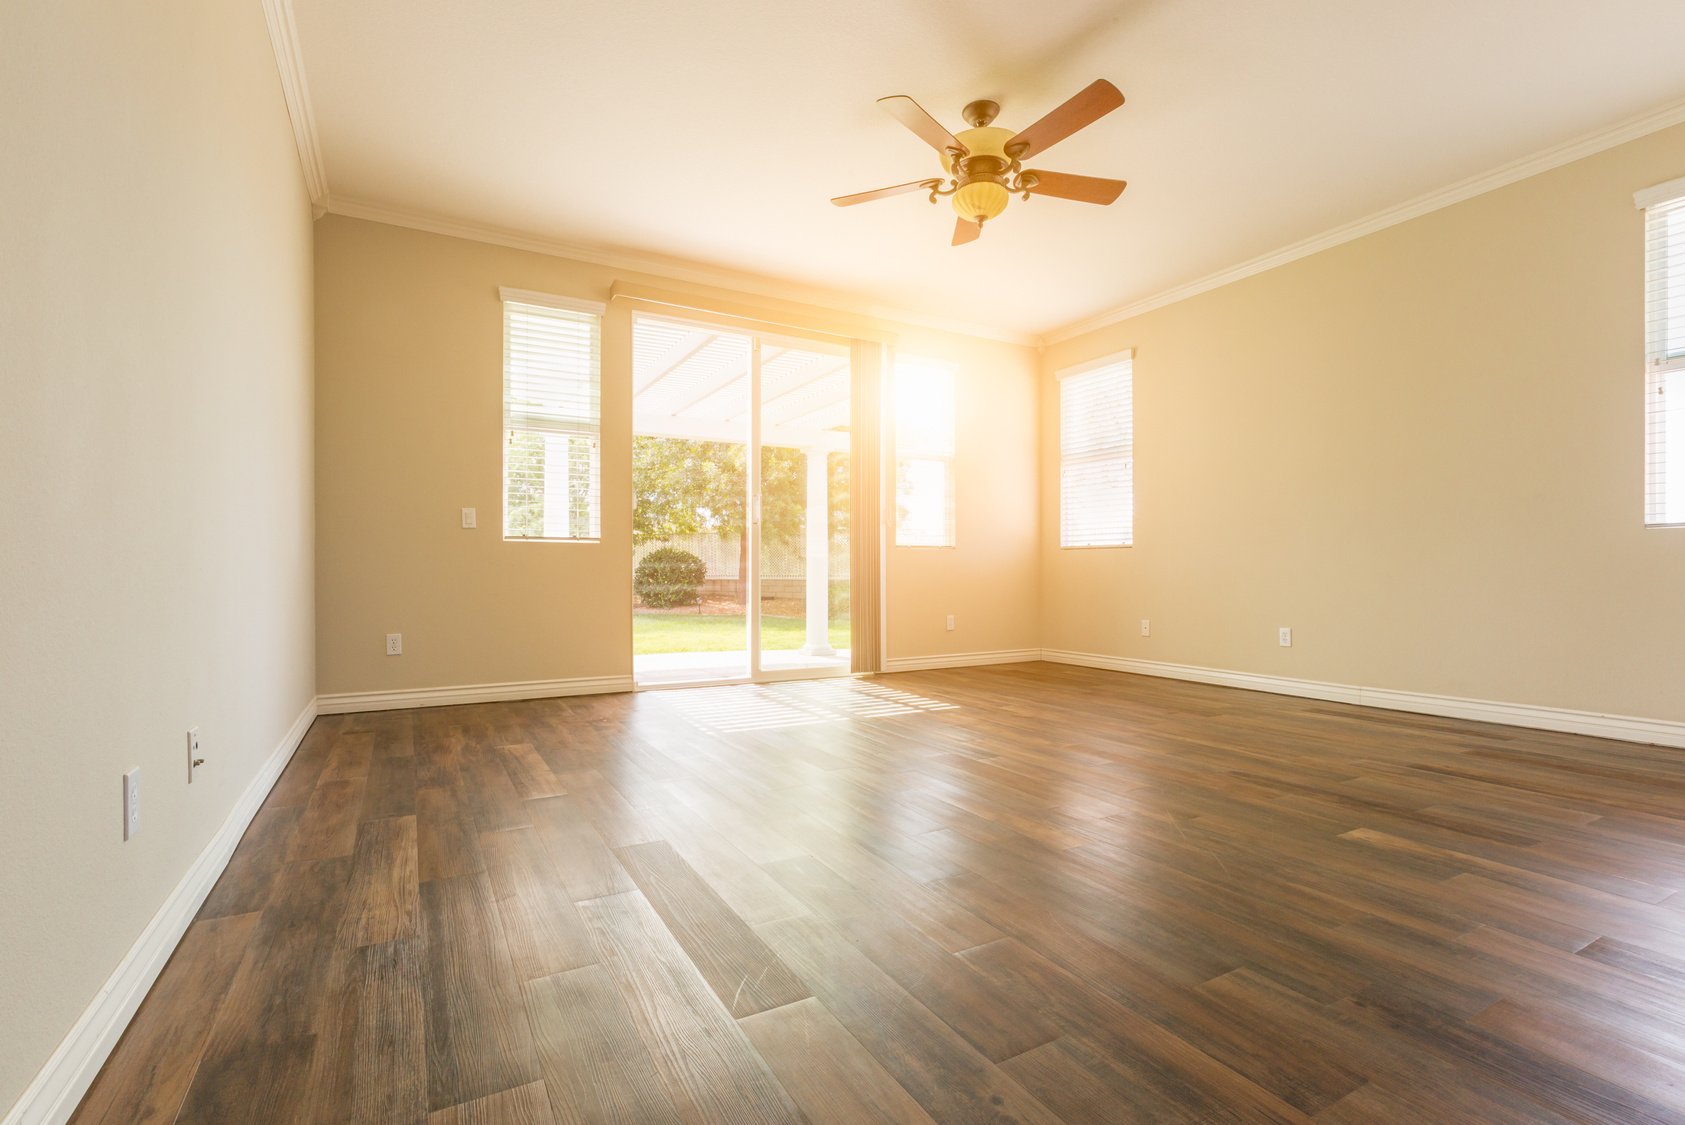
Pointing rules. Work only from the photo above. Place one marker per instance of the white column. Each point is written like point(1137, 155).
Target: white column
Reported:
point(818, 556)
point(558, 522)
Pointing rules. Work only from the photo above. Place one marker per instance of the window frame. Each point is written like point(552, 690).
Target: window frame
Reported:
point(595, 310)
point(1662, 290)
point(947, 460)
point(1126, 360)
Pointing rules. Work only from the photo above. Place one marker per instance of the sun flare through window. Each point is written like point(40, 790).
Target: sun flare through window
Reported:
point(924, 453)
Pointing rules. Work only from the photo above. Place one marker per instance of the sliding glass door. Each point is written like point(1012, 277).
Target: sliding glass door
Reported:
point(740, 504)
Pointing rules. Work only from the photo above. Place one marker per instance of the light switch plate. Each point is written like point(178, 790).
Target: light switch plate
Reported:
point(131, 803)
point(470, 518)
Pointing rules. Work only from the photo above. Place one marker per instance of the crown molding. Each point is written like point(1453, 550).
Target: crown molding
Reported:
point(283, 39)
point(1566, 153)
point(660, 265)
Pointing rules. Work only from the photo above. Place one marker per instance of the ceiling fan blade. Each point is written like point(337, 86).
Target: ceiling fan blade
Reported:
point(1083, 189)
point(884, 192)
point(966, 231)
point(1095, 100)
point(913, 116)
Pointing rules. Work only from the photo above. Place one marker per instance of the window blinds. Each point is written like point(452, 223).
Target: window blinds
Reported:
point(1664, 347)
point(551, 422)
point(924, 453)
point(1097, 456)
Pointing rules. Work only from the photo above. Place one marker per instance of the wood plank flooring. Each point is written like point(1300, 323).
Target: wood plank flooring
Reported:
point(1020, 894)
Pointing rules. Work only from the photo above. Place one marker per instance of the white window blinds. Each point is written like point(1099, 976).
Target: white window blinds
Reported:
point(1664, 349)
point(551, 421)
point(924, 453)
point(1097, 455)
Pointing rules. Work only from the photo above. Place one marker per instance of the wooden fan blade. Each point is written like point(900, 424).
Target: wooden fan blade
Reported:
point(966, 231)
point(927, 128)
point(884, 192)
point(1094, 102)
point(1083, 189)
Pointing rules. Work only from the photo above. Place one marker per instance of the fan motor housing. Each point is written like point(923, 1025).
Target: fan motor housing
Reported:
point(989, 141)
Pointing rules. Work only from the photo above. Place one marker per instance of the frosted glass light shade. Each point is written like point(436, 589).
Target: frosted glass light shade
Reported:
point(980, 199)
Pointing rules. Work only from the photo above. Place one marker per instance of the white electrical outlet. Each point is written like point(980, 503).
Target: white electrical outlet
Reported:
point(394, 644)
point(131, 803)
point(1146, 627)
point(469, 518)
point(1286, 637)
point(194, 761)
point(950, 623)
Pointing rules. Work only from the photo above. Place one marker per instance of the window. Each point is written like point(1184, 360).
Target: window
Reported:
point(551, 417)
point(1664, 354)
point(1097, 454)
point(924, 453)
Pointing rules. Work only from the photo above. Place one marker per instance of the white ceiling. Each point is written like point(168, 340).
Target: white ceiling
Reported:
point(716, 132)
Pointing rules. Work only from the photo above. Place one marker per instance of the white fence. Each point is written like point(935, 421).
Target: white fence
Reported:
point(778, 560)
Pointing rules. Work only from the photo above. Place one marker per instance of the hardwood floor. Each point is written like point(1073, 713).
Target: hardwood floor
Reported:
point(1028, 893)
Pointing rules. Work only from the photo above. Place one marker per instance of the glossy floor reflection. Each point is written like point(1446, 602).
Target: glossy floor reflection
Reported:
point(1028, 893)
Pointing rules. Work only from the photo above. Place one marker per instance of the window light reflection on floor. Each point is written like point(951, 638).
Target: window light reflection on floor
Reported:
point(772, 706)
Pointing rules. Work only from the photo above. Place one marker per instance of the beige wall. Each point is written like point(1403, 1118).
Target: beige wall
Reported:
point(409, 426)
point(155, 468)
point(1422, 450)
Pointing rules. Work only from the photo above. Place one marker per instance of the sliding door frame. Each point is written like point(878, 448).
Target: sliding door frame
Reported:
point(758, 333)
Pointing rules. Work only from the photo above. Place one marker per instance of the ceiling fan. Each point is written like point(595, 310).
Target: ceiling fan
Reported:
point(984, 163)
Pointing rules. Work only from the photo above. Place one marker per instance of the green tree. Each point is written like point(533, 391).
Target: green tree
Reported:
point(838, 465)
point(525, 476)
point(685, 487)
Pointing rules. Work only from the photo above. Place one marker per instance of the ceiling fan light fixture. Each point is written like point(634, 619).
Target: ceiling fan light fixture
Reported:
point(980, 200)
point(983, 166)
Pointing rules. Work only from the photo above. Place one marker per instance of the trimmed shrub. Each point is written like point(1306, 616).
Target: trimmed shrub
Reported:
point(668, 576)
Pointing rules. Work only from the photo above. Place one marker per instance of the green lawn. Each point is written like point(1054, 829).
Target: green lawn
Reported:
point(683, 632)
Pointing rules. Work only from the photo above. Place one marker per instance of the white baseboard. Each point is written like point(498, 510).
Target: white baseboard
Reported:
point(1276, 685)
point(1626, 728)
point(960, 660)
point(347, 702)
point(58, 1088)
